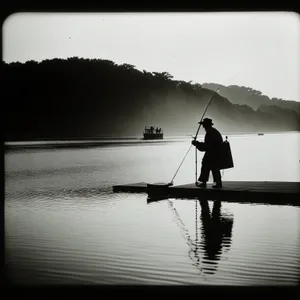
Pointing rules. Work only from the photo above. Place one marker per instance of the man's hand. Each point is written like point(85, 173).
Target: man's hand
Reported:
point(194, 142)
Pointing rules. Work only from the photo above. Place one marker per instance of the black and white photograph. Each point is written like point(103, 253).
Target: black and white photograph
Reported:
point(152, 148)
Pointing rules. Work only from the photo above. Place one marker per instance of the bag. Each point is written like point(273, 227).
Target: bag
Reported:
point(226, 161)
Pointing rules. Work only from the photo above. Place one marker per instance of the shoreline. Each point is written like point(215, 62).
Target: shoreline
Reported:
point(85, 143)
point(80, 144)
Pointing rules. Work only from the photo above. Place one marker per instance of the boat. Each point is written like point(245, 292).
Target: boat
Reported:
point(260, 133)
point(151, 133)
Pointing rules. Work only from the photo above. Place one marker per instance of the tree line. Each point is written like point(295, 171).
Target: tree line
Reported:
point(91, 98)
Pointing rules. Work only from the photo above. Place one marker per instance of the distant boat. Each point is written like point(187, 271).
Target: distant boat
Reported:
point(151, 133)
point(260, 133)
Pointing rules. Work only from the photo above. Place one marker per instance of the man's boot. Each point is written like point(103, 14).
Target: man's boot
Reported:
point(201, 184)
point(217, 185)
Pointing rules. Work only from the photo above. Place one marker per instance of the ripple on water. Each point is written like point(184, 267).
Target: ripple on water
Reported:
point(63, 224)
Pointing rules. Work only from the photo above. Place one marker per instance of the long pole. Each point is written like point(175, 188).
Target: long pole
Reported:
point(195, 137)
point(196, 166)
point(205, 111)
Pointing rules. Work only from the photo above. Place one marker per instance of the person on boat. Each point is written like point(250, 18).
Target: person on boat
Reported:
point(212, 146)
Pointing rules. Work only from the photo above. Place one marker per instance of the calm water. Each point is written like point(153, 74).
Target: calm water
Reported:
point(63, 224)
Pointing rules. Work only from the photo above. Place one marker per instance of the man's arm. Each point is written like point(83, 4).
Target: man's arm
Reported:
point(199, 145)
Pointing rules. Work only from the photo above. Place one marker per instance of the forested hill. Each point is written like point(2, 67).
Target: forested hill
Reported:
point(251, 97)
point(90, 98)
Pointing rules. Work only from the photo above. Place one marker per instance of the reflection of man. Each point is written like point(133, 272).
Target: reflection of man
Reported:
point(214, 228)
point(211, 160)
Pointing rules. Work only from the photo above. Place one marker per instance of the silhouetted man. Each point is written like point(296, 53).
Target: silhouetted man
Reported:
point(211, 160)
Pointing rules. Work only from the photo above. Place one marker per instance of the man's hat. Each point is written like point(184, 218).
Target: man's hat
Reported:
point(206, 121)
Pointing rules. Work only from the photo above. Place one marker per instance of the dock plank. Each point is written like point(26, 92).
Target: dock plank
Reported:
point(271, 192)
point(140, 187)
point(265, 186)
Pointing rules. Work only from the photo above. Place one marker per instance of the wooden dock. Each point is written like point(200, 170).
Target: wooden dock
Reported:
point(270, 192)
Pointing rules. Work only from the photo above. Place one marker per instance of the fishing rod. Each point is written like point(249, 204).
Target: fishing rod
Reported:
point(195, 137)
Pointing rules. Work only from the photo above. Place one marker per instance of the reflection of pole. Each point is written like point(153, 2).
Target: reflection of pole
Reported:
point(196, 229)
point(196, 223)
point(182, 226)
point(186, 236)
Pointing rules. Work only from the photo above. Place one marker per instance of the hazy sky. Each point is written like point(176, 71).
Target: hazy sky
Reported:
point(259, 50)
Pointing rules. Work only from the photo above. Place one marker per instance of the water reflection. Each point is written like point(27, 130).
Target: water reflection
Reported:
point(216, 234)
point(212, 240)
